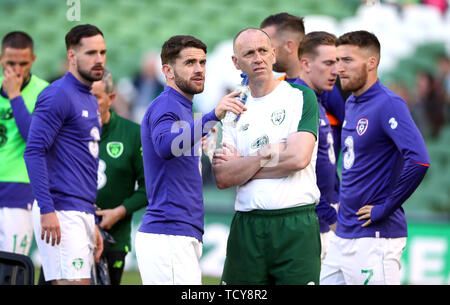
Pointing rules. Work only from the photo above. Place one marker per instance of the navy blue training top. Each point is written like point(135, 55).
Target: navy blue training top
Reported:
point(62, 148)
point(325, 166)
point(171, 145)
point(384, 160)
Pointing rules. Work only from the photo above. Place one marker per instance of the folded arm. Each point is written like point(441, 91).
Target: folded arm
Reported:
point(231, 169)
point(289, 157)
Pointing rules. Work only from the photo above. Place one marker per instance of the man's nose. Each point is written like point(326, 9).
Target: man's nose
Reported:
point(18, 70)
point(340, 67)
point(198, 68)
point(334, 69)
point(257, 58)
point(100, 58)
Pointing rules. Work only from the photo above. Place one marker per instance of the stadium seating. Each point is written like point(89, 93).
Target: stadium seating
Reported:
point(411, 38)
point(132, 27)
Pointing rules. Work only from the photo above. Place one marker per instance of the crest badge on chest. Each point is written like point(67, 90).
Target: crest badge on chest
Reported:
point(278, 116)
point(362, 126)
point(114, 149)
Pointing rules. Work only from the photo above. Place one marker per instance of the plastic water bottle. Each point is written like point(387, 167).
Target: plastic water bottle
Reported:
point(211, 140)
point(231, 117)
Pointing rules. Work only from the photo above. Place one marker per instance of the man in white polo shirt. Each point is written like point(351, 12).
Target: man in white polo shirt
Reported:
point(269, 154)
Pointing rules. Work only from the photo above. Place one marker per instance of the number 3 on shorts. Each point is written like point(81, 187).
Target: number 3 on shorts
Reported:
point(369, 276)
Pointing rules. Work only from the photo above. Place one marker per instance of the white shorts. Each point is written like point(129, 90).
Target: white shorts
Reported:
point(16, 230)
point(73, 258)
point(168, 259)
point(362, 261)
point(325, 242)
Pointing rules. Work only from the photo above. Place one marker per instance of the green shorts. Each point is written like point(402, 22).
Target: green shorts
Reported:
point(273, 247)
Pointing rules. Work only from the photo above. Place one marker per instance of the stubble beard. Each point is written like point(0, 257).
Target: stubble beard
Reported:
point(186, 87)
point(277, 67)
point(357, 82)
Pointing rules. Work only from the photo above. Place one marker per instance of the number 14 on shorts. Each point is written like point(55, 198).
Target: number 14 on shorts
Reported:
point(23, 245)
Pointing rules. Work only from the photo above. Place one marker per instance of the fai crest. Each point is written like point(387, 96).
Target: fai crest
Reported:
point(114, 149)
point(77, 263)
point(362, 126)
point(277, 117)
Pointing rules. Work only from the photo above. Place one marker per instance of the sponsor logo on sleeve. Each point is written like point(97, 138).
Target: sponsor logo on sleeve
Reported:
point(393, 123)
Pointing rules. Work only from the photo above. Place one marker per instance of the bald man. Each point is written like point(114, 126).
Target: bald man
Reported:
point(269, 155)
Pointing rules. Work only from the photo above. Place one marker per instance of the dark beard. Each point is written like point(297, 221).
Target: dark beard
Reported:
point(90, 78)
point(278, 68)
point(184, 86)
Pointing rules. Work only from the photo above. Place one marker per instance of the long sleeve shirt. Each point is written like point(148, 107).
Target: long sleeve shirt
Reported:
point(171, 143)
point(384, 160)
point(62, 149)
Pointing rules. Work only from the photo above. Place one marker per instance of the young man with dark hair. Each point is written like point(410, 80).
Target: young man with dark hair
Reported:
point(169, 240)
point(18, 94)
point(384, 160)
point(286, 32)
point(62, 162)
point(269, 155)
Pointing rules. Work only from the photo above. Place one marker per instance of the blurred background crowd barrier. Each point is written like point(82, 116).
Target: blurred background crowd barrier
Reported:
point(415, 50)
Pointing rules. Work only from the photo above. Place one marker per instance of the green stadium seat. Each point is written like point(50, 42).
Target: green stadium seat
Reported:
point(142, 25)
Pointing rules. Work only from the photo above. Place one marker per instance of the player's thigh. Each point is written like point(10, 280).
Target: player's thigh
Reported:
point(186, 258)
point(377, 261)
point(294, 258)
point(72, 259)
point(16, 230)
point(391, 261)
point(168, 259)
point(331, 268)
point(245, 259)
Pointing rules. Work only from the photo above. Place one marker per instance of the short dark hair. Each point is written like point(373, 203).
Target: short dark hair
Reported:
point(361, 39)
point(17, 40)
point(175, 44)
point(285, 22)
point(74, 36)
point(312, 40)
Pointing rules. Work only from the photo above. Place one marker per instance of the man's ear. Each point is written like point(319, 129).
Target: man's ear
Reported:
point(305, 64)
point(372, 63)
point(235, 62)
point(167, 70)
point(290, 46)
point(33, 58)
point(71, 56)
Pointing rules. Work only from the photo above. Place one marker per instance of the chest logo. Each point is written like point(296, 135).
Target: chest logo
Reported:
point(362, 126)
point(114, 149)
point(6, 114)
point(260, 142)
point(278, 116)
